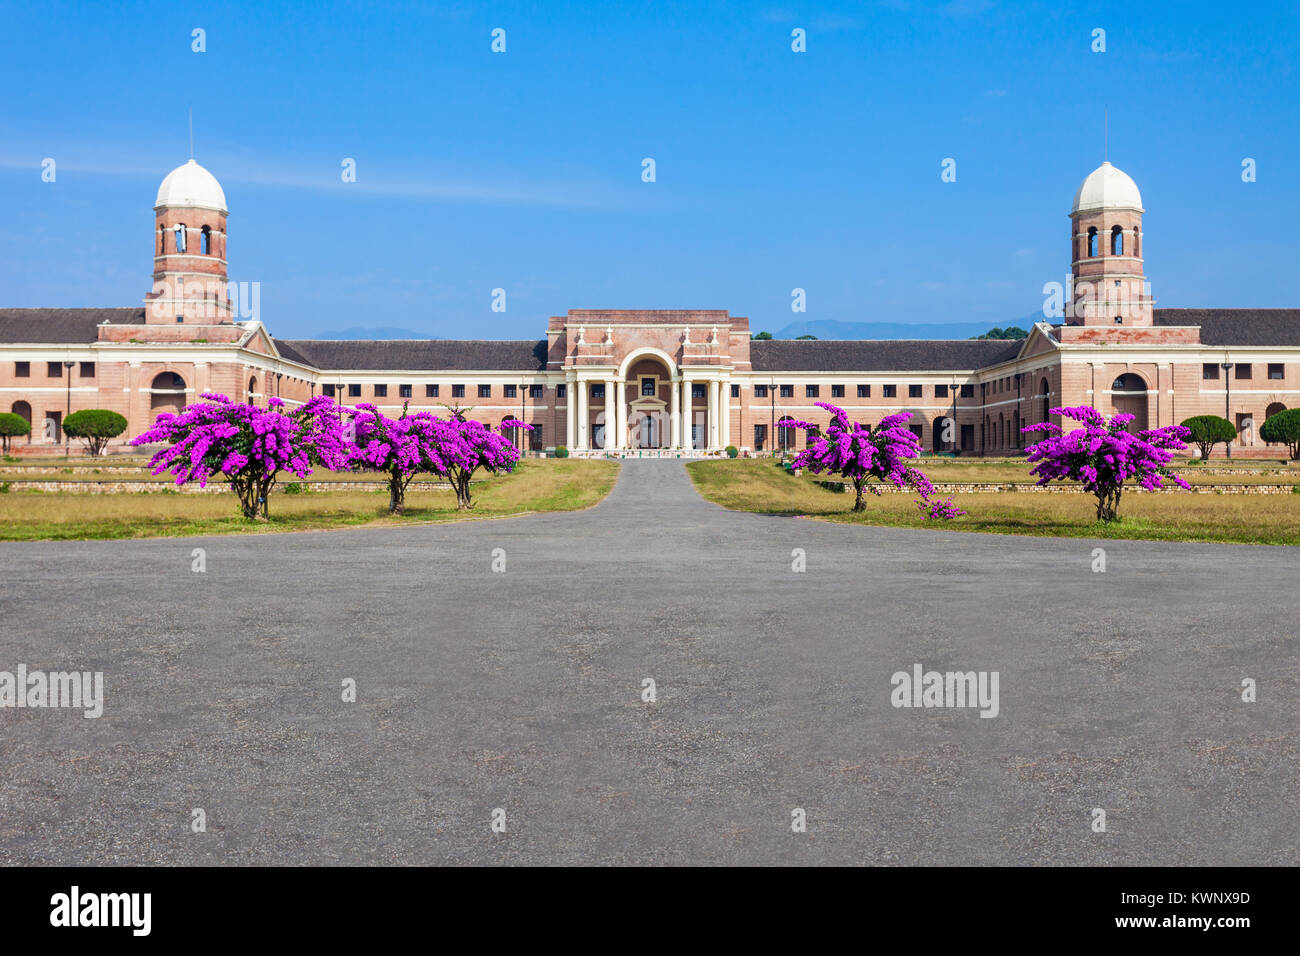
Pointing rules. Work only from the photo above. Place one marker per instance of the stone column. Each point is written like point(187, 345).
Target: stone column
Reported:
point(688, 415)
point(674, 416)
point(724, 411)
point(621, 412)
point(713, 414)
point(580, 386)
point(571, 412)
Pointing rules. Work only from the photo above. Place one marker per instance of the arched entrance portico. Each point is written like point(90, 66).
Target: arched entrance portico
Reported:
point(1129, 395)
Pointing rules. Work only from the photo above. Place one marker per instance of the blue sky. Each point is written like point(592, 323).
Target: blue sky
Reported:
point(522, 170)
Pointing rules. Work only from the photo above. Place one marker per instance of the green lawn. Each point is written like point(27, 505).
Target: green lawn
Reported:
point(536, 485)
point(758, 485)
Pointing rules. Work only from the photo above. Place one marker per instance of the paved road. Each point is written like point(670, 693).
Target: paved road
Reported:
point(521, 690)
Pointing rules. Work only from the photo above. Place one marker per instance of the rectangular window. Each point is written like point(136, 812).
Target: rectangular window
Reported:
point(485, 391)
point(561, 391)
point(54, 369)
point(941, 391)
point(968, 391)
point(915, 430)
point(403, 391)
point(512, 391)
point(536, 391)
point(327, 390)
point(735, 391)
point(535, 437)
point(837, 391)
point(431, 391)
point(698, 390)
point(914, 391)
point(864, 391)
point(760, 391)
point(648, 387)
point(787, 391)
point(1243, 370)
point(22, 369)
point(1275, 370)
point(967, 437)
point(1210, 371)
point(381, 391)
point(811, 391)
point(890, 391)
point(458, 391)
point(760, 437)
point(354, 391)
point(87, 369)
point(598, 391)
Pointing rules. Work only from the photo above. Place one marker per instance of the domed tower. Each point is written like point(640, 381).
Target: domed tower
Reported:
point(1106, 252)
point(189, 266)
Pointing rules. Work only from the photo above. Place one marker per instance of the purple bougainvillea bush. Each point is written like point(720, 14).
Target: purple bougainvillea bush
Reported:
point(246, 444)
point(861, 454)
point(401, 448)
point(468, 446)
point(1102, 455)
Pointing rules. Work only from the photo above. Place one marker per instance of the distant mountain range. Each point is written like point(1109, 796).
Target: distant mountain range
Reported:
point(832, 329)
point(375, 332)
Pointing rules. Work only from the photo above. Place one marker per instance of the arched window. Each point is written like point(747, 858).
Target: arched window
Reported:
point(1137, 243)
point(162, 242)
point(1015, 430)
point(252, 390)
point(205, 241)
point(1092, 242)
point(180, 237)
point(168, 393)
point(785, 434)
point(1117, 241)
point(1128, 382)
point(1044, 393)
point(24, 411)
point(1276, 408)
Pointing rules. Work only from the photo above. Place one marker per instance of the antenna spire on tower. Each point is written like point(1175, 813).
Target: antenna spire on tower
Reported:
point(191, 132)
point(1105, 149)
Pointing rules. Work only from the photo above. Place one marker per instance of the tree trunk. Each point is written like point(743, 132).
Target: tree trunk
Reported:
point(1108, 503)
point(858, 503)
point(396, 494)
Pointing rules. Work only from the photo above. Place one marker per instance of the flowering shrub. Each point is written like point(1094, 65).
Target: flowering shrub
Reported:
point(402, 448)
point(467, 446)
point(1102, 455)
point(944, 508)
point(860, 453)
point(246, 444)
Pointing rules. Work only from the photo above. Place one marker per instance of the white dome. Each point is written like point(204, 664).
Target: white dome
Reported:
point(1107, 188)
point(191, 186)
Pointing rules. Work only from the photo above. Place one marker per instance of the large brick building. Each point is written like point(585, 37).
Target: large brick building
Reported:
point(660, 381)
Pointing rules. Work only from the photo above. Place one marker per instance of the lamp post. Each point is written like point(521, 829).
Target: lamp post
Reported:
point(1227, 397)
point(67, 365)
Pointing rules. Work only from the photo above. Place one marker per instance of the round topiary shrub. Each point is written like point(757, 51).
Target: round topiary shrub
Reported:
point(1207, 431)
point(1284, 427)
point(95, 426)
point(561, 451)
point(732, 451)
point(12, 426)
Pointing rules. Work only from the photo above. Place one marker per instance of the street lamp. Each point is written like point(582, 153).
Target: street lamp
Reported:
point(67, 365)
point(1227, 398)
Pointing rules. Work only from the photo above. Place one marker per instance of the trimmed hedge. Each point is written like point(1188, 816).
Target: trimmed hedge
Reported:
point(95, 426)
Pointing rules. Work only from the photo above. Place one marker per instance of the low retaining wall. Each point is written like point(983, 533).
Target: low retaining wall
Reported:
point(1028, 487)
point(139, 485)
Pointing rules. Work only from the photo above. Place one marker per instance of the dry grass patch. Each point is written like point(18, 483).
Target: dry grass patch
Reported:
point(536, 485)
point(760, 486)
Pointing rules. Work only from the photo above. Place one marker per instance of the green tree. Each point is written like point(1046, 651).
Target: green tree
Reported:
point(11, 426)
point(1010, 332)
point(761, 336)
point(813, 337)
point(1284, 427)
point(95, 426)
point(1207, 431)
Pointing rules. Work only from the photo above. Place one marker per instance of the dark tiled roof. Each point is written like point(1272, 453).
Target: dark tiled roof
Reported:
point(62, 326)
point(879, 355)
point(418, 354)
point(1238, 326)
